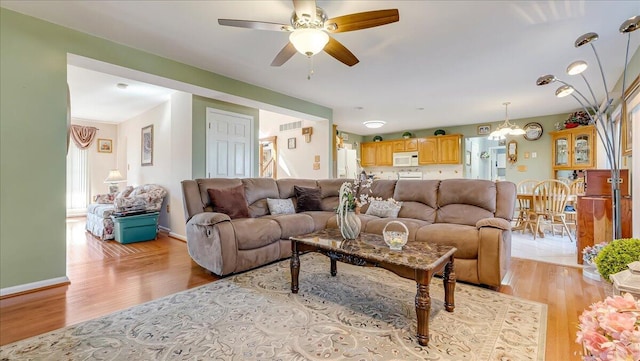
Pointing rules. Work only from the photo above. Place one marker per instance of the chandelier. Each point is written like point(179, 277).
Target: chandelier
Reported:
point(506, 128)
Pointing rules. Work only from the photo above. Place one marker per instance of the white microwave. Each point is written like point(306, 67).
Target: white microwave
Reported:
point(405, 159)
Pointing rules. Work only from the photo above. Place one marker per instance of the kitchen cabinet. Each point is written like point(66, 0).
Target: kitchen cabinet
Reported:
point(384, 153)
point(368, 154)
point(405, 145)
point(442, 149)
point(574, 148)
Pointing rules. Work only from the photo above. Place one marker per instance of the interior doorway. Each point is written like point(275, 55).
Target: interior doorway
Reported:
point(268, 156)
point(484, 159)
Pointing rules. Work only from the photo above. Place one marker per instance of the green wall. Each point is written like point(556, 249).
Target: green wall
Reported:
point(33, 63)
point(199, 132)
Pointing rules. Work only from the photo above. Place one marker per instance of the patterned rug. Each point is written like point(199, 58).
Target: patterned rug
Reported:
point(361, 314)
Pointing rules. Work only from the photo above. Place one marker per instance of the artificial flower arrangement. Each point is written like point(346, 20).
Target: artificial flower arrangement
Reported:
point(589, 253)
point(610, 329)
point(354, 194)
point(576, 119)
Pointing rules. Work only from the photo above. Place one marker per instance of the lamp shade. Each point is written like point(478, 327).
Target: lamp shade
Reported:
point(563, 91)
point(577, 67)
point(114, 177)
point(309, 41)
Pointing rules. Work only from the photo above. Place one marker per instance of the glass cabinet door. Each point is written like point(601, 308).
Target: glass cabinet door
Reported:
point(581, 149)
point(561, 147)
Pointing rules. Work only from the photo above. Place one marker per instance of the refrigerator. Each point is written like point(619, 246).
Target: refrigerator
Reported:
point(347, 163)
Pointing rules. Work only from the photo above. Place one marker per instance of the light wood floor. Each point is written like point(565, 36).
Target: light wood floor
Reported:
point(107, 277)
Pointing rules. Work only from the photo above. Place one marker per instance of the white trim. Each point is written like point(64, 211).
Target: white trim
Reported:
point(33, 286)
point(177, 236)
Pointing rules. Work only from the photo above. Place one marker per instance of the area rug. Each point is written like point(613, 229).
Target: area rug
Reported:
point(361, 314)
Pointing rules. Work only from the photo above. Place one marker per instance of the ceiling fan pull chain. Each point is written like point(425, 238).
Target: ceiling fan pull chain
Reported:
point(310, 68)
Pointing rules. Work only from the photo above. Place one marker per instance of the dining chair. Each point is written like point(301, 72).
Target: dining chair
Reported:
point(576, 188)
point(549, 201)
point(524, 187)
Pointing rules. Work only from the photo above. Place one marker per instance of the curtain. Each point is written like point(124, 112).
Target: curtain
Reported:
point(83, 136)
point(77, 181)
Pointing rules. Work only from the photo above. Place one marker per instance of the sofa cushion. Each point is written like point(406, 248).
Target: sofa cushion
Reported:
point(465, 201)
point(256, 191)
point(230, 201)
point(308, 199)
point(101, 210)
point(464, 238)
point(280, 206)
point(384, 209)
point(285, 186)
point(293, 224)
point(252, 233)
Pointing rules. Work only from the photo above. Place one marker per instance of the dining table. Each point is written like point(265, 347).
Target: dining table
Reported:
point(523, 197)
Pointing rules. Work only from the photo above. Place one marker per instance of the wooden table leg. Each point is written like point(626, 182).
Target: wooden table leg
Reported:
point(449, 279)
point(423, 305)
point(295, 266)
point(334, 267)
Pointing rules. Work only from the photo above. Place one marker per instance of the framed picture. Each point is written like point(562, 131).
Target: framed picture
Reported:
point(467, 158)
point(292, 143)
point(631, 111)
point(484, 129)
point(105, 145)
point(146, 145)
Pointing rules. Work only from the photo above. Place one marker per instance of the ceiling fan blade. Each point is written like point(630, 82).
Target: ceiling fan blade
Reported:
point(363, 20)
point(305, 7)
point(285, 54)
point(258, 25)
point(340, 52)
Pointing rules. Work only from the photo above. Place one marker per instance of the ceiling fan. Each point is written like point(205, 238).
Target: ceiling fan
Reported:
point(310, 27)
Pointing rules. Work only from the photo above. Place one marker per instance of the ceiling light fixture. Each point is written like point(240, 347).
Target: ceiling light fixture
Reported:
point(607, 128)
point(374, 123)
point(308, 41)
point(506, 128)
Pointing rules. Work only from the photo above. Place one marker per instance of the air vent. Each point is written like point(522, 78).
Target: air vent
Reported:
point(291, 126)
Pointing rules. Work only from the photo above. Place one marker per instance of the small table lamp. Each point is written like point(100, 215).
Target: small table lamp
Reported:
point(113, 179)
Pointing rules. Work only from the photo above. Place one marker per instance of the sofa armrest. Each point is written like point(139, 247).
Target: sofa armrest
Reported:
point(499, 223)
point(211, 242)
point(104, 198)
point(209, 218)
point(494, 250)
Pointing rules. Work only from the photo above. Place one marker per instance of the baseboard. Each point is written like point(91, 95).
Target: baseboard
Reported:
point(177, 236)
point(33, 286)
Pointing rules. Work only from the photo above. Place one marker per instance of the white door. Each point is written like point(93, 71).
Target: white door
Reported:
point(229, 144)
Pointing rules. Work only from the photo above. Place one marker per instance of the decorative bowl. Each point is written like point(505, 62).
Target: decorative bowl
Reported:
point(395, 239)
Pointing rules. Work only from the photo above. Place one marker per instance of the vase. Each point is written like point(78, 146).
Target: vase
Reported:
point(349, 224)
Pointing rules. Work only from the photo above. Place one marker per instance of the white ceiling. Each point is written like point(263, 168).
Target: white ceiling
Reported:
point(444, 63)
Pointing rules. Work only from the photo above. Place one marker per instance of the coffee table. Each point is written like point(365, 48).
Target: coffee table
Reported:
point(418, 261)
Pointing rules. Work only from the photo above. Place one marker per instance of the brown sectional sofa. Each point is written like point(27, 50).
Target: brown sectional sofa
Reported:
point(472, 215)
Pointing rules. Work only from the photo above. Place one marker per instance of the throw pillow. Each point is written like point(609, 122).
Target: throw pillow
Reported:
point(384, 209)
point(230, 201)
point(280, 206)
point(308, 199)
point(125, 192)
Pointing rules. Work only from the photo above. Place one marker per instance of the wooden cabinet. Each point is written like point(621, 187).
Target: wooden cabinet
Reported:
point(405, 145)
point(368, 154)
point(384, 153)
point(595, 223)
point(574, 148)
point(443, 149)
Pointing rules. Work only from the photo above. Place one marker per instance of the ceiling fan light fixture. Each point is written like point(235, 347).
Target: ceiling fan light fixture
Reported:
point(374, 123)
point(309, 41)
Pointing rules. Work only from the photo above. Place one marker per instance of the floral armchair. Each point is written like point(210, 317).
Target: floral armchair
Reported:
point(148, 197)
